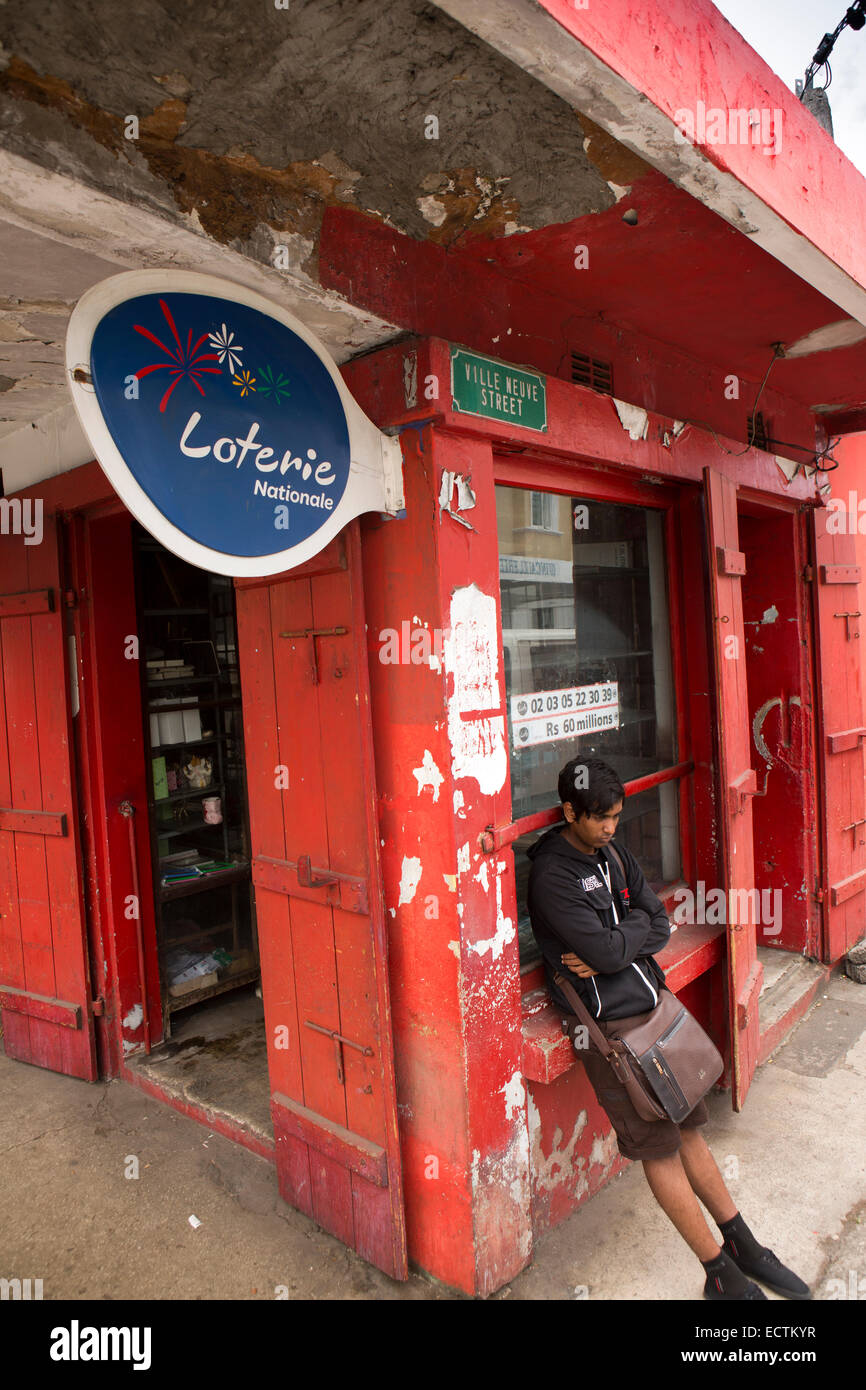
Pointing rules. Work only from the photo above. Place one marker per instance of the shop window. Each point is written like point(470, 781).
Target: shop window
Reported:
point(543, 511)
point(587, 657)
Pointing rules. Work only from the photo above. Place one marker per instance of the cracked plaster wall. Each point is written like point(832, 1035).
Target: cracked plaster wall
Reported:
point(264, 119)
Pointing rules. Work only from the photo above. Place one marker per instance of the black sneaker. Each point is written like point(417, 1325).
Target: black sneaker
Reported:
point(751, 1291)
point(769, 1269)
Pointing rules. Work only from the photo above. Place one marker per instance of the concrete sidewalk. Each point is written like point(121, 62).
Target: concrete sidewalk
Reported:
point(795, 1159)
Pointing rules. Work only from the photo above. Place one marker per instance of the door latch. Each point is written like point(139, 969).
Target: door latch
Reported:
point(339, 1043)
point(313, 633)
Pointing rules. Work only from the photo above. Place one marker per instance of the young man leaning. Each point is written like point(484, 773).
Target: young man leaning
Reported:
point(605, 931)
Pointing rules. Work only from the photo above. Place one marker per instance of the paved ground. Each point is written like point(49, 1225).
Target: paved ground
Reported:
point(70, 1216)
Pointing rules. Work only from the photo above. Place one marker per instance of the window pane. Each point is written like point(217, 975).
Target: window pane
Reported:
point(586, 641)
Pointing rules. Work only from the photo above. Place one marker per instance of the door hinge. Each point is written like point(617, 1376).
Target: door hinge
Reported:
point(808, 574)
point(97, 1007)
point(818, 894)
point(70, 598)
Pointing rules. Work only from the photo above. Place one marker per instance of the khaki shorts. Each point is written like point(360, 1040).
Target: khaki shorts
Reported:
point(636, 1138)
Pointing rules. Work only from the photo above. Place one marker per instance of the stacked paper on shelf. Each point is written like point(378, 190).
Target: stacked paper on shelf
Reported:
point(169, 726)
point(191, 720)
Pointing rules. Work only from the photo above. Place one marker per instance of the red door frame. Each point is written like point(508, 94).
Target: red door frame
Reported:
point(799, 721)
point(114, 772)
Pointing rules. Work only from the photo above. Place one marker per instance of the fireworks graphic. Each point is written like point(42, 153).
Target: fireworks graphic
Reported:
point(246, 381)
point(183, 362)
point(222, 343)
point(273, 384)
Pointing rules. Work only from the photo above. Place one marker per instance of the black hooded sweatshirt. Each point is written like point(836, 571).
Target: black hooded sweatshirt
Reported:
point(571, 909)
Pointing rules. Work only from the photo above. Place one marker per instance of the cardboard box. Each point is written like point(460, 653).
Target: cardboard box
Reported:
point(190, 986)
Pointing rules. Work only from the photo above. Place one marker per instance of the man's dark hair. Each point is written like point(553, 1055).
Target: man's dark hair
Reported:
point(590, 785)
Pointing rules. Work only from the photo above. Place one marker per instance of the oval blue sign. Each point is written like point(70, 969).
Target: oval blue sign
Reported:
point(227, 420)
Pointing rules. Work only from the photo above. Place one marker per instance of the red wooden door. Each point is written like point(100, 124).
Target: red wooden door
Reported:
point(44, 981)
point(841, 724)
point(737, 780)
point(778, 630)
point(303, 660)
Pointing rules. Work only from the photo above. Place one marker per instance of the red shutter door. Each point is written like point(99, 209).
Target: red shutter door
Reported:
point(44, 982)
point(737, 780)
point(840, 704)
point(303, 658)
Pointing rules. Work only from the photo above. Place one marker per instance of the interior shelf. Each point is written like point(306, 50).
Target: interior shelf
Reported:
point(188, 888)
point(244, 977)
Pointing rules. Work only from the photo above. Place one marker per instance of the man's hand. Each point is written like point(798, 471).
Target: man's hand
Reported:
point(577, 966)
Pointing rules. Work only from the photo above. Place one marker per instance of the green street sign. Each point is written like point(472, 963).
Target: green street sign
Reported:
point(483, 386)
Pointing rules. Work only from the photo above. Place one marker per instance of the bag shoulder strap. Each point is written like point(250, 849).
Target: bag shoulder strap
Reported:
point(618, 857)
point(602, 1043)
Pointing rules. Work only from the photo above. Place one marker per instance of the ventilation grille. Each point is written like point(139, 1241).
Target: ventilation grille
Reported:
point(589, 371)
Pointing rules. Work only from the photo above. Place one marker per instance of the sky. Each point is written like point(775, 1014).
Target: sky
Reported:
point(786, 34)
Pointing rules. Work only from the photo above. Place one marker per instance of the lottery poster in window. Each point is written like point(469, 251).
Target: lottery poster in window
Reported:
point(546, 716)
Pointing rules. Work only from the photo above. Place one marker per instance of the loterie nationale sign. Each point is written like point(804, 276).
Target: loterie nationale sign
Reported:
point(222, 422)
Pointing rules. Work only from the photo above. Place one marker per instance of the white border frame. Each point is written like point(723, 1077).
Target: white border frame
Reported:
point(375, 481)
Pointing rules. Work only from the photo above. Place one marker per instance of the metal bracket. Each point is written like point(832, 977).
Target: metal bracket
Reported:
point(301, 879)
point(744, 785)
point(315, 632)
point(848, 616)
point(339, 1043)
point(853, 826)
point(305, 874)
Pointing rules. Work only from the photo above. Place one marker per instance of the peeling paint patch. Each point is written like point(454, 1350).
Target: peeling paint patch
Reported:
point(463, 859)
point(633, 418)
point(410, 877)
point(432, 209)
point(481, 876)
point(450, 882)
point(504, 935)
point(428, 775)
point(458, 805)
point(604, 1150)
point(618, 190)
point(515, 1095)
point(770, 614)
point(472, 659)
point(549, 1171)
point(496, 1177)
point(134, 1018)
point(465, 496)
point(787, 466)
point(454, 948)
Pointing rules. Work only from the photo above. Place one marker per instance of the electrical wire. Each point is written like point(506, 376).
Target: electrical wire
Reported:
point(817, 456)
point(778, 351)
point(855, 18)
